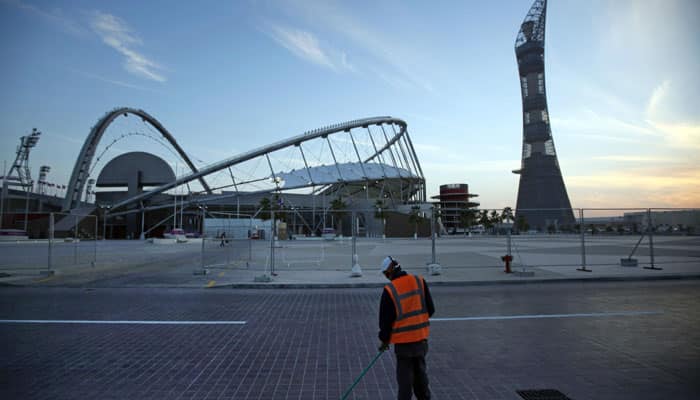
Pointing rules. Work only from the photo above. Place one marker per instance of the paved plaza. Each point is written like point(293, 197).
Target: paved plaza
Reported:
point(301, 263)
point(589, 340)
point(130, 319)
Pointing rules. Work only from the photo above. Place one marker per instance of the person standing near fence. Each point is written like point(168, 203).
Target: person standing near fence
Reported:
point(223, 239)
point(404, 312)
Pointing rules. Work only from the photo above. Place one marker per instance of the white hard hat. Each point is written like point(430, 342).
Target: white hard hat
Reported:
point(387, 263)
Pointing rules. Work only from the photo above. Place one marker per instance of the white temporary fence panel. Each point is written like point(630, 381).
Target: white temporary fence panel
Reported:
point(235, 228)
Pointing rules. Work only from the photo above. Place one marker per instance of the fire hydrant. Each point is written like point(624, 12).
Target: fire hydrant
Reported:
point(507, 259)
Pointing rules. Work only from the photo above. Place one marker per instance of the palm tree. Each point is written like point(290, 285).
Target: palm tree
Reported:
point(484, 219)
point(495, 218)
point(466, 218)
point(507, 215)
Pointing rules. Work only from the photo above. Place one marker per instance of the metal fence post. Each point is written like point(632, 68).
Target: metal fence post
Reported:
point(433, 267)
point(203, 237)
point(432, 234)
point(353, 226)
point(583, 243)
point(201, 270)
point(2, 198)
point(26, 210)
point(75, 239)
point(356, 269)
point(250, 240)
point(229, 236)
point(94, 258)
point(509, 243)
point(650, 231)
point(49, 271)
point(272, 243)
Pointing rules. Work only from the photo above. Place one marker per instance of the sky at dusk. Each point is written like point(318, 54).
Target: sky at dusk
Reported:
point(227, 77)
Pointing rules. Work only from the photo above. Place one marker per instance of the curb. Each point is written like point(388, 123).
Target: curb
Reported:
point(669, 277)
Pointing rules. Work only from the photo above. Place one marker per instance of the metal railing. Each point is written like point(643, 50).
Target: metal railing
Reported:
point(302, 241)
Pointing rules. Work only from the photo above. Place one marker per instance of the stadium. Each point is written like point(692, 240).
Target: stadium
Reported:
point(314, 180)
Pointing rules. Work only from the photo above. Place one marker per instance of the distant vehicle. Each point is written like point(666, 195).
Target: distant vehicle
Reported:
point(328, 234)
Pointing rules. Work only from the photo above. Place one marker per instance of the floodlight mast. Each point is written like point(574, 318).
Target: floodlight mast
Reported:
point(19, 174)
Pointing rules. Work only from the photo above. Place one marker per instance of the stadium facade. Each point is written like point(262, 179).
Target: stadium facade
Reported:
point(362, 166)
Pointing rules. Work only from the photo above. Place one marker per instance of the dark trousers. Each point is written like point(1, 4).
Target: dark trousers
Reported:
point(411, 372)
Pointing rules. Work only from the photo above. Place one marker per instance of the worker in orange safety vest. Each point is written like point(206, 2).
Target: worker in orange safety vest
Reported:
point(404, 313)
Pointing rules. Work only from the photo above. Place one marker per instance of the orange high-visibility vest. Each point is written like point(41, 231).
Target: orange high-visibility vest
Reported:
point(412, 319)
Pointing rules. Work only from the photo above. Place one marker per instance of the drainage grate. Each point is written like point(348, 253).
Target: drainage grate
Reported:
point(542, 394)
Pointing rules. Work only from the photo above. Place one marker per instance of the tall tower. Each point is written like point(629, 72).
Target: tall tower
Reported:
point(542, 197)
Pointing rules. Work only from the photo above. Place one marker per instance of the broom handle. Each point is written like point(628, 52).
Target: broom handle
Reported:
point(347, 392)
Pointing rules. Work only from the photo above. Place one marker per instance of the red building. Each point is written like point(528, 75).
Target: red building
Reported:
point(454, 198)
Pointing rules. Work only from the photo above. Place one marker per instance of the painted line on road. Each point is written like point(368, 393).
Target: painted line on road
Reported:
point(537, 316)
point(97, 322)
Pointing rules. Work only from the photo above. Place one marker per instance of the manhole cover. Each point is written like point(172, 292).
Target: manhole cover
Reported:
point(542, 394)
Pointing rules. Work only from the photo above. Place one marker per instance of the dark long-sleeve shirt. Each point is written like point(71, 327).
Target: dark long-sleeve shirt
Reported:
point(387, 310)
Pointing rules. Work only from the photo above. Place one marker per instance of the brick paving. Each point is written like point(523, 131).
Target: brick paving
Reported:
point(311, 344)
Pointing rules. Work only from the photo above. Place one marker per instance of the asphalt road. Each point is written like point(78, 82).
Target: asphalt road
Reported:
point(592, 340)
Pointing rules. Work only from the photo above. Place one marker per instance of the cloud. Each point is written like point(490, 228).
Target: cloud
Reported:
point(116, 34)
point(636, 159)
point(589, 120)
point(683, 135)
point(54, 16)
point(679, 131)
point(112, 81)
point(657, 97)
point(307, 47)
point(682, 177)
point(675, 186)
point(384, 57)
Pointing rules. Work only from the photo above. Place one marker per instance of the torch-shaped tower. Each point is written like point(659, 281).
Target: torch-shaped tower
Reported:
point(542, 197)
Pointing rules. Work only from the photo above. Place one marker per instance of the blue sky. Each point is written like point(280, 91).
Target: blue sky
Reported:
point(226, 77)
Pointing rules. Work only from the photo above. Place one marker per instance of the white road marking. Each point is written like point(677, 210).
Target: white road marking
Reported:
point(535, 316)
point(63, 321)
